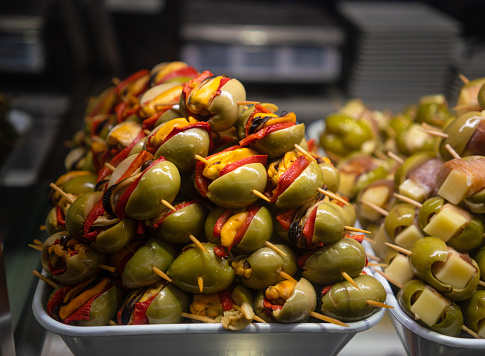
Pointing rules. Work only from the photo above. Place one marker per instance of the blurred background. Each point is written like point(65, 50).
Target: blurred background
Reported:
point(306, 56)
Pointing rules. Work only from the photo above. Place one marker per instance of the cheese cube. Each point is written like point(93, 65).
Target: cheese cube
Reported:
point(456, 272)
point(408, 236)
point(413, 190)
point(400, 269)
point(455, 187)
point(377, 195)
point(347, 182)
point(429, 306)
point(447, 222)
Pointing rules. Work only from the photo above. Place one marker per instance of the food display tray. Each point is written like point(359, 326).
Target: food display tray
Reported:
point(200, 338)
point(420, 341)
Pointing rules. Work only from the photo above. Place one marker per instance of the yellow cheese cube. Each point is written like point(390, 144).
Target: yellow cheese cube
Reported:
point(447, 222)
point(429, 306)
point(347, 182)
point(413, 190)
point(455, 187)
point(408, 236)
point(456, 272)
point(400, 269)
point(377, 195)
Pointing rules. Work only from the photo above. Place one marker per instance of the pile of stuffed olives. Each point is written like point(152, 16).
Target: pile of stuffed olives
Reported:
point(182, 200)
point(417, 179)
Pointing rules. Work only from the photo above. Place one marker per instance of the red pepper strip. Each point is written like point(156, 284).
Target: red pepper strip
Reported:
point(120, 206)
point(57, 299)
point(226, 214)
point(119, 109)
point(252, 211)
point(270, 306)
point(312, 145)
point(60, 216)
point(149, 124)
point(221, 84)
point(58, 271)
point(116, 160)
point(137, 75)
point(265, 131)
point(242, 162)
point(100, 102)
point(309, 227)
point(202, 182)
point(182, 72)
point(177, 208)
point(137, 162)
point(226, 299)
point(358, 238)
point(289, 176)
point(257, 110)
point(326, 289)
point(286, 218)
point(96, 211)
point(198, 125)
point(302, 259)
point(221, 251)
point(191, 84)
point(83, 312)
point(140, 312)
point(96, 121)
point(140, 227)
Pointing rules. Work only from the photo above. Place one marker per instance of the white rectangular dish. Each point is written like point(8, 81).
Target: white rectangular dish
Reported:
point(200, 338)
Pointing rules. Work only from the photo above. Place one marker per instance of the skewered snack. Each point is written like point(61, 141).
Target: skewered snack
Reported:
point(230, 177)
point(294, 180)
point(93, 302)
point(473, 312)
point(262, 268)
point(198, 271)
point(175, 226)
point(288, 301)
point(213, 99)
point(160, 303)
point(179, 141)
point(241, 231)
point(429, 308)
point(345, 302)
point(454, 275)
point(68, 261)
point(268, 133)
point(139, 269)
point(402, 226)
point(325, 264)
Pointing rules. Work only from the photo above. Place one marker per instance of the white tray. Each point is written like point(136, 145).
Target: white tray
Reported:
point(200, 338)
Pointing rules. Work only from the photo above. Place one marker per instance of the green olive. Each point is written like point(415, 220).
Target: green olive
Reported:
point(326, 265)
point(459, 133)
point(400, 217)
point(104, 307)
point(138, 271)
point(346, 303)
point(246, 114)
point(450, 323)
point(303, 189)
point(77, 213)
point(168, 306)
point(331, 176)
point(240, 294)
point(470, 237)
point(115, 237)
point(329, 223)
point(297, 308)
point(430, 207)
point(234, 190)
point(476, 202)
point(77, 262)
point(277, 143)
point(162, 181)
point(480, 260)
point(225, 108)
point(433, 113)
point(178, 225)
point(265, 265)
point(168, 115)
point(474, 310)
point(194, 264)
point(182, 148)
point(424, 253)
point(52, 225)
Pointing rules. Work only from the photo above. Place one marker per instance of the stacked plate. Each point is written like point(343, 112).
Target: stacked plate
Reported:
point(401, 51)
